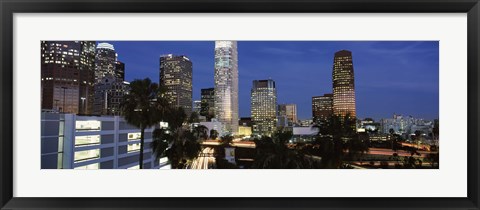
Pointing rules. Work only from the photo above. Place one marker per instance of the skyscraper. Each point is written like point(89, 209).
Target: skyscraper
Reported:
point(120, 70)
point(289, 111)
point(208, 103)
point(176, 78)
point(197, 106)
point(343, 84)
point(67, 76)
point(109, 94)
point(226, 85)
point(322, 107)
point(105, 61)
point(264, 107)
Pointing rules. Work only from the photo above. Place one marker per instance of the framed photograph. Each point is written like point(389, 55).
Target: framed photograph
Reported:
point(239, 105)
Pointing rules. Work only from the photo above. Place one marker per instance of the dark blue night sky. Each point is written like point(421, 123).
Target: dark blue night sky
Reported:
point(390, 76)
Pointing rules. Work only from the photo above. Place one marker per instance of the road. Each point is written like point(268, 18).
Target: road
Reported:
point(204, 159)
point(235, 143)
point(382, 151)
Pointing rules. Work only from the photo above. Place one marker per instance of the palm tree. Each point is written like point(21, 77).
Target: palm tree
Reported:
point(338, 140)
point(418, 136)
point(356, 147)
point(200, 132)
point(393, 139)
point(328, 143)
point(273, 153)
point(433, 158)
point(226, 140)
point(193, 118)
point(141, 108)
point(178, 142)
point(213, 134)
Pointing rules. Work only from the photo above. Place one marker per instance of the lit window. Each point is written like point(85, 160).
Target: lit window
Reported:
point(134, 167)
point(91, 166)
point(87, 155)
point(87, 140)
point(90, 125)
point(134, 136)
point(133, 147)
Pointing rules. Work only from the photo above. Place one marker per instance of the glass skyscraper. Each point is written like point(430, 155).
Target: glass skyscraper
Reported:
point(208, 103)
point(120, 70)
point(264, 107)
point(67, 76)
point(322, 107)
point(226, 85)
point(176, 78)
point(105, 61)
point(343, 84)
point(289, 111)
point(109, 93)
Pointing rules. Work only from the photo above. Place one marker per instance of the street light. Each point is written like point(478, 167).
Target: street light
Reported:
point(83, 102)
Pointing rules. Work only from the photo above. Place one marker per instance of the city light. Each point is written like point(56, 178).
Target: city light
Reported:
point(300, 109)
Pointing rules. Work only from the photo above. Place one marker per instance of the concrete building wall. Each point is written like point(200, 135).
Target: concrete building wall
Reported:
point(92, 142)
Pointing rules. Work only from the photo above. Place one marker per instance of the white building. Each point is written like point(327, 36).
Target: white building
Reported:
point(226, 85)
point(303, 134)
point(215, 125)
point(93, 142)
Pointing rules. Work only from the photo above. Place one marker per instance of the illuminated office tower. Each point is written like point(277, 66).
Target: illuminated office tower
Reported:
point(120, 70)
point(263, 107)
point(343, 84)
point(289, 111)
point(197, 106)
point(109, 93)
point(226, 85)
point(67, 76)
point(322, 107)
point(208, 103)
point(105, 61)
point(176, 78)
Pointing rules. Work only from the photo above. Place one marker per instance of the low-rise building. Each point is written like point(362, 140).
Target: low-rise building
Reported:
point(379, 137)
point(69, 141)
point(215, 125)
point(304, 134)
point(244, 130)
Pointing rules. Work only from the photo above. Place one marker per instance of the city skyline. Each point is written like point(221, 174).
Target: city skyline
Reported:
point(378, 78)
point(139, 113)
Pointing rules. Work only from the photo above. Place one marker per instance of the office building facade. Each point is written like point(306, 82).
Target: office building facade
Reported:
point(208, 103)
point(109, 93)
point(176, 78)
point(69, 141)
point(322, 108)
point(226, 85)
point(343, 84)
point(264, 107)
point(289, 111)
point(120, 70)
point(105, 61)
point(67, 76)
point(197, 106)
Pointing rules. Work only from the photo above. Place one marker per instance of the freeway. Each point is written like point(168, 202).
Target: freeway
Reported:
point(382, 151)
point(235, 143)
point(204, 159)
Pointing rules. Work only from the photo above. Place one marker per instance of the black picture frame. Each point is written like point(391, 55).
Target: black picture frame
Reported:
point(10, 7)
